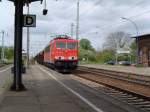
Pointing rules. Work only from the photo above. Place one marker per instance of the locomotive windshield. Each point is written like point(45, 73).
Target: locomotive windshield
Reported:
point(61, 45)
point(64, 45)
point(71, 45)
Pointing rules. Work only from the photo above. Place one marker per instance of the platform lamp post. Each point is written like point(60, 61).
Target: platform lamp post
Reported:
point(137, 35)
point(28, 39)
point(72, 29)
point(77, 21)
point(77, 25)
point(17, 83)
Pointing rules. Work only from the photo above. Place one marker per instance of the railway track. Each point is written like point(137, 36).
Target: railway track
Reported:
point(136, 78)
point(130, 88)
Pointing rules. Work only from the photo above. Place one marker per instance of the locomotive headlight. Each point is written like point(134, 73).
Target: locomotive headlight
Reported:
point(59, 57)
point(62, 57)
point(72, 58)
point(56, 57)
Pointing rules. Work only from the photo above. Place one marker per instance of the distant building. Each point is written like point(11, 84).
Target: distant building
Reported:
point(144, 49)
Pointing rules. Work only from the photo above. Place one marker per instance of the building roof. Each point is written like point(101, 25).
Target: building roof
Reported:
point(142, 36)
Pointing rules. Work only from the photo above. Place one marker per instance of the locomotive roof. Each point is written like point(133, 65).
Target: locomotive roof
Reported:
point(62, 38)
point(58, 37)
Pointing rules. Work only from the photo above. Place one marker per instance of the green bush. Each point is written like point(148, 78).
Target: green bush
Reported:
point(105, 56)
point(139, 65)
point(87, 55)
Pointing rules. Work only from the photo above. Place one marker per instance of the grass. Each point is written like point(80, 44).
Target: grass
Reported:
point(139, 66)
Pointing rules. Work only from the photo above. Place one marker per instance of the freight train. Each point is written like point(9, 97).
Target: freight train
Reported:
point(61, 53)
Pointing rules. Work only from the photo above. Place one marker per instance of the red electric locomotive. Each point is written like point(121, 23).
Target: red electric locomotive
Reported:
point(62, 53)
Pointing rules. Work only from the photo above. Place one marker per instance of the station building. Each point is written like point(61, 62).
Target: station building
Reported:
point(144, 49)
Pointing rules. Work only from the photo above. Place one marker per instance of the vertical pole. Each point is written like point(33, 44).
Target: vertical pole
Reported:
point(137, 42)
point(13, 86)
point(116, 54)
point(18, 47)
point(137, 38)
point(116, 58)
point(72, 25)
point(45, 4)
point(77, 26)
point(28, 39)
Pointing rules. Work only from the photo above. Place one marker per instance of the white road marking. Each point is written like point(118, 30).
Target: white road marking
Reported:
point(74, 92)
point(4, 70)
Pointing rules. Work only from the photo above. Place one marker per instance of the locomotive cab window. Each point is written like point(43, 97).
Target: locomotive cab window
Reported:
point(71, 45)
point(61, 45)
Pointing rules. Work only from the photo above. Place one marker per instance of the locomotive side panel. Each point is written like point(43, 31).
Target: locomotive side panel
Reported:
point(46, 54)
point(52, 53)
point(49, 53)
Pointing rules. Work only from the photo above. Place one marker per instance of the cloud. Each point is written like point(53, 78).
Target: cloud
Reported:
point(98, 18)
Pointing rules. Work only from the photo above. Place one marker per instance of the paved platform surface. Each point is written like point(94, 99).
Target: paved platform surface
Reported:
point(43, 95)
point(128, 69)
point(49, 91)
point(5, 78)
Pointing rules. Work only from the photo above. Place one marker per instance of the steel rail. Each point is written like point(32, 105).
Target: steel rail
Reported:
point(139, 79)
point(132, 85)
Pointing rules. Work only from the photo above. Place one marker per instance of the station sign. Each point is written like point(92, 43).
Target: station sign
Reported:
point(29, 20)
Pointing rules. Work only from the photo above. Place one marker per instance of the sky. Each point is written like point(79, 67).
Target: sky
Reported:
point(98, 18)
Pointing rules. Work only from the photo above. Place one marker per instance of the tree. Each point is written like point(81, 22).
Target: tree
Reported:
point(105, 55)
point(117, 40)
point(87, 55)
point(8, 52)
point(86, 50)
point(86, 45)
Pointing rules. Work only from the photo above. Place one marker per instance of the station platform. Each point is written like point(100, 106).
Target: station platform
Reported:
point(50, 91)
point(128, 69)
point(43, 95)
